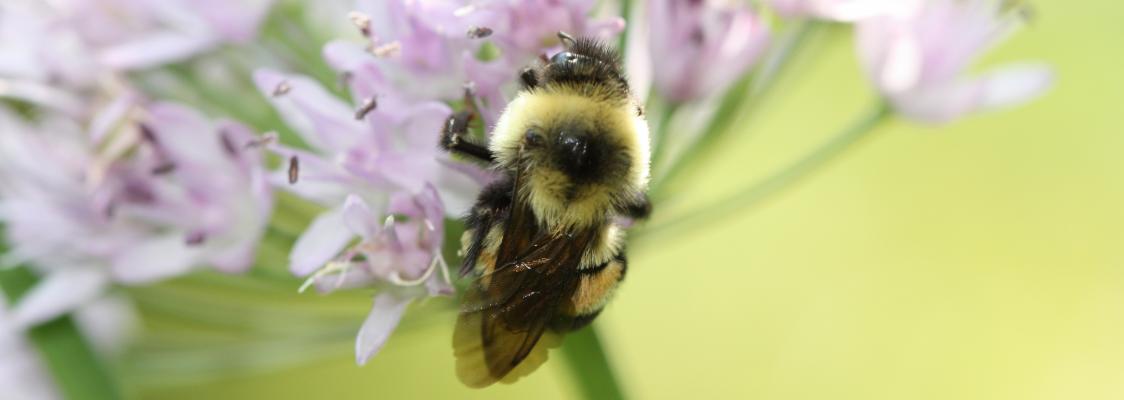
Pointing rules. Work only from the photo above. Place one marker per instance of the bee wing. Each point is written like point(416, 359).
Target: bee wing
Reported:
point(500, 338)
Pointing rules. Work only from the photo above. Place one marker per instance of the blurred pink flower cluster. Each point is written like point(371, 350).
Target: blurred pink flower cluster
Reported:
point(916, 52)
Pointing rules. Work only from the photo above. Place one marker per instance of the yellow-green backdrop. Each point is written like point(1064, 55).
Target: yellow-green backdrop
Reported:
point(981, 260)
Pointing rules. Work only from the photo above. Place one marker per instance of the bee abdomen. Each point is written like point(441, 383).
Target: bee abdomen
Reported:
point(596, 288)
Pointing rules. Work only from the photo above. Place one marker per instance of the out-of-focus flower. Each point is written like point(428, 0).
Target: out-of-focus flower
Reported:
point(842, 10)
point(142, 194)
point(51, 48)
point(698, 48)
point(916, 59)
point(106, 323)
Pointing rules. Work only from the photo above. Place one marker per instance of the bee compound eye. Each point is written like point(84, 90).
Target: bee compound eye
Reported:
point(532, 138)
point(563, 58)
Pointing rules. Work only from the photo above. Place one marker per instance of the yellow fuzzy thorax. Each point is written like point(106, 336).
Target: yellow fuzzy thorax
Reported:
point(546, 189)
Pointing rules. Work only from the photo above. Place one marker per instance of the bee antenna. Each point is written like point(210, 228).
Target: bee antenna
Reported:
point(567, 40)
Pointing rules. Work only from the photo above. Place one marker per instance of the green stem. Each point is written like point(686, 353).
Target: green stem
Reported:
point(752, 86)
point(781, 179)
point(659, 139)
point(77, 371)
point(590, 366)
point(626, 13)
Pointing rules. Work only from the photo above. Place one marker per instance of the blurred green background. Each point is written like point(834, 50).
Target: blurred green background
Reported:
point(978, 260)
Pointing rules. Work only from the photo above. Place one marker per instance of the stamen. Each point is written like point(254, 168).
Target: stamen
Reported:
point(387, 50)
point(264, 140)
point(330, 268)
point(195, 238)
point(479, 32)
point(368, 105)
point(228, 144)
point(361, 21)
point(149, 135)
point(164, 168)
point(281, 89)
point(294, 170)
point(344, 80)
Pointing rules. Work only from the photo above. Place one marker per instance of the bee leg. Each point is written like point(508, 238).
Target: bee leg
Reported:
point(454, 138)
point(639, 208)
point(488, 212)
point(529, 78)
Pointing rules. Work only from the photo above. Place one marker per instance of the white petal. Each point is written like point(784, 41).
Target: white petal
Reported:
point(59, 293)
point(155, 259)
point(155, 49)
point(1015, 84)
point(321, 118)
point(902, 68)
point(319, 243)
point(107, 322)
point(381, 321)
point(359, 218)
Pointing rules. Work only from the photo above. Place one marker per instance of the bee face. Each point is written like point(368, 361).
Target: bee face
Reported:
point(580, 153)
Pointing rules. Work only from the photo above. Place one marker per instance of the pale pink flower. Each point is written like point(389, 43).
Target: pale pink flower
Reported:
point(917, 60)
point(138, 195)
point(698, 48)
point(378, 172)
point(53, 52)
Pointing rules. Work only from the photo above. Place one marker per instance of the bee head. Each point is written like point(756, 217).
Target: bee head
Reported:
point(579, 153)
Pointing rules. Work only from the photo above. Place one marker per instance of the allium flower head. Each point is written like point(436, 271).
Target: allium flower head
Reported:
point(698, 48)
point(139, 195)
point(916, 59)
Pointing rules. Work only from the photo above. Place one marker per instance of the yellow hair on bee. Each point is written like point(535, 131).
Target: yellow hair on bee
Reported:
point(553, 200)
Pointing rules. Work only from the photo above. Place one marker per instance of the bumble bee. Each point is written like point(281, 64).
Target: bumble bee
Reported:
point(545, 242)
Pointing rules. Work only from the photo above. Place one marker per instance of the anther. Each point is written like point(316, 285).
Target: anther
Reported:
point(281, 89)
point(368, 105)
point(361, 21)
point(294, 170)
point(479, 32)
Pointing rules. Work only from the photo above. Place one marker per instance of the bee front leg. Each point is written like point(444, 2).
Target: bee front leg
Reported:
point(639, 208)
point(454, 138)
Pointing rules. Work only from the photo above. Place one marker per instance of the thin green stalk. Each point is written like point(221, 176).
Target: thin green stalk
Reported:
point(77, 371)
point(750, 88)
point(779, 180)
point(586, 358)
point(659, 138)
point(626, 13)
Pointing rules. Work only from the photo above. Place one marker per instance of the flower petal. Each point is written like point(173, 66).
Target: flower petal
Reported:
point(154, 49)
point(155, 259)
point(320, 242)
point(359, 218)
point(322, 119)
point(381, 321)
point(1015, 84)
point(59, 293)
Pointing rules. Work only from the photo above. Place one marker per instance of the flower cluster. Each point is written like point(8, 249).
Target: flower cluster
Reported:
point(57, 52)
point(142, 194)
